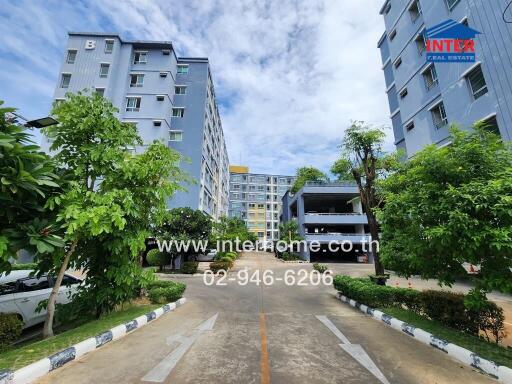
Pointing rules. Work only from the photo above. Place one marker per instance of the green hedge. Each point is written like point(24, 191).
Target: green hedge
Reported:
point(19, 267)
point(10, 329)
point(165, 291)
point(448, 308)
point(320, 268)
point(190, 267)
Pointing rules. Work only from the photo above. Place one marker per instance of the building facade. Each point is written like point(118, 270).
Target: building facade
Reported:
point(256, 199)
point(329, 213)
point(426, 98)
point(170, 99)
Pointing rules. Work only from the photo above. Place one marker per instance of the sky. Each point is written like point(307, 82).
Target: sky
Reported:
point(289, 75)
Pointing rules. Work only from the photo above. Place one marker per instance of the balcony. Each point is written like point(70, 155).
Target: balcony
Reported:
point(355, 238)
point(335, 218)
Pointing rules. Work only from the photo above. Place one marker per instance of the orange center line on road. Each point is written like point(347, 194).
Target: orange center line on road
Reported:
point(264, 365)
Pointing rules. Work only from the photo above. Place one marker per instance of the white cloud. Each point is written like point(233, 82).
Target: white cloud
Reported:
point(290, 74)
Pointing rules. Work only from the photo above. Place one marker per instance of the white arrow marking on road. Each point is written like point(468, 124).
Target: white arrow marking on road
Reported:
point(354, 350)
point(165, 367)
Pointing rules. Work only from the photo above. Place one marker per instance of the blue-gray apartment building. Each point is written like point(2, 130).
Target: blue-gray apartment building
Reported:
point(169, 98)
point(425, 98)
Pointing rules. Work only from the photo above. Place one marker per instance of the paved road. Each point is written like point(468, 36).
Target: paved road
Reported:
point(264, 334)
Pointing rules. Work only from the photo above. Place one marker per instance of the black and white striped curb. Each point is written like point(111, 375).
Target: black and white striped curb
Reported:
point(35, 370)
point(503, 374)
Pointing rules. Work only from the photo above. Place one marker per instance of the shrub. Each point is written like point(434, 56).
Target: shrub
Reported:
point(163, 292)
point(190, 267)
point(226, 259)
point(447, 308)
point(320, 268)
point(10, 329)
point(289, 256)
point(216, 266)
point(22, 266)
point(158, 259)
point(232, 255)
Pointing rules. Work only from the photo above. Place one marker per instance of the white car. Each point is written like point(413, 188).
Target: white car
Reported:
point(21, 293)
point(210, 256)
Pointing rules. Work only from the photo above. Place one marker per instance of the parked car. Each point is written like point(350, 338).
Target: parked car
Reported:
point(21, 293)
point(210, 256)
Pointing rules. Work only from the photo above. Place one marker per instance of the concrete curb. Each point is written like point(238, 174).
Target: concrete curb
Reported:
point(501, 373)
point(40, 368)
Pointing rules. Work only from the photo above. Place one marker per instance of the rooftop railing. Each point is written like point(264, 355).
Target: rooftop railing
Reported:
point(334, 214)
point(331, 184)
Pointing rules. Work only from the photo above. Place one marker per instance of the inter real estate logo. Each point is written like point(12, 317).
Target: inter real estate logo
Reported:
point(450, 42)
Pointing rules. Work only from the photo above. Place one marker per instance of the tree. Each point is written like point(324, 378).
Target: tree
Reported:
point(307, 174)
point(452, 205)
point(364, 161)
point(289, 231)
point(231, 229)
point(27, 179)
point(185, 225)
point(112, 200)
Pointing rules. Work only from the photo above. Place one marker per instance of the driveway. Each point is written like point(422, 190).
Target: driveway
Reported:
point(265, 334)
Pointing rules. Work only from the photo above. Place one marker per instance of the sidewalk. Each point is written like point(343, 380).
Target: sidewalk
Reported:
point(363, 270)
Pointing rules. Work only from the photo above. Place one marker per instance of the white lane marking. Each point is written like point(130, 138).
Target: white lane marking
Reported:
point(354, 350)
point(159, 373)
point(328, 323)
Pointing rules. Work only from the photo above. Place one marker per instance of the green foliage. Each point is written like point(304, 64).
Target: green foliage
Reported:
point(216, 266)
point(289, 231)
point(289, 256)
point(452, 205)
point(189, 267)
point(23, 266)
point(27, 179)
point(163, 292)
point(447, 308)
point(364, 161)
point(158, 259)
point(229, 229)
point(307, 174)
point(320, 268)
point(10, 329)
point(108, 220)
point(187, 225)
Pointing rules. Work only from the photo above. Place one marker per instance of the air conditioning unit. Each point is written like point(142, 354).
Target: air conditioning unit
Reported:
point(166, 52)
point(157, 123)
point(160, 97)
point(163, 74)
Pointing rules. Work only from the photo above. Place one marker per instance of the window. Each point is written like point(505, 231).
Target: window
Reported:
point(178, 136)
point(100, 91)
point(182, 68)
point(388, 8)
point(180, 90)
point(65, 80)
point(157, 123)
point(140, 57)
point(477, 82)
point(451, 3)
point(104, 69)
point(71, 56)
point(166, 52)
point(409, 126)
point(109, 46)
point(178, 112)
point(136, 80)
point(403, 93)
point(430, 77)
point(491, 124)
point(33, 284)
point(392, 35)
point(133, 104)
point(160, 97)
point(163, 74)
point(398, 62)
point(415, 10)
point(439, 115)
point(420, 43)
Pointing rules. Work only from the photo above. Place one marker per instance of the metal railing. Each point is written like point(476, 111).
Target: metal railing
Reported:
point(334, 214)
point(331, 183)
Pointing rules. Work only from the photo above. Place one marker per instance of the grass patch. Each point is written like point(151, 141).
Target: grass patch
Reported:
point(489, 351)
point(26, 354)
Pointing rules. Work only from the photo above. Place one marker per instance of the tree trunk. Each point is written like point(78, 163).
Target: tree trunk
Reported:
point(374, 232)
point(50, 309)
